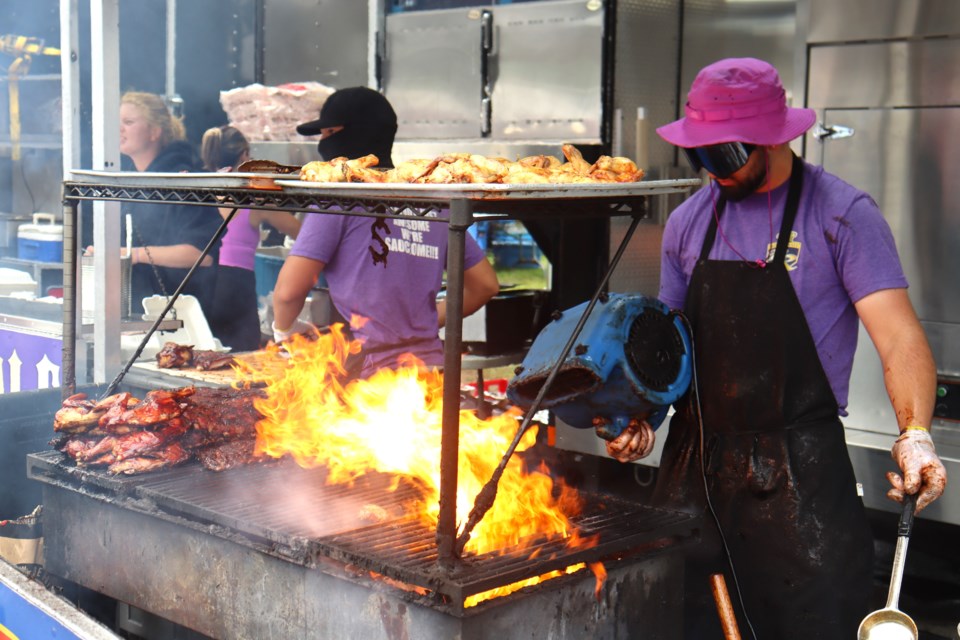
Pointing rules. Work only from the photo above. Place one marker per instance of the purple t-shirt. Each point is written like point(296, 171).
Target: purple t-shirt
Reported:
point(841, 250)
point(388, 271)
point(239, 244)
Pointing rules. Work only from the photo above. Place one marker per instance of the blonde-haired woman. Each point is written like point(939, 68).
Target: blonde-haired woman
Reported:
point(235, 319)
point(167, 238)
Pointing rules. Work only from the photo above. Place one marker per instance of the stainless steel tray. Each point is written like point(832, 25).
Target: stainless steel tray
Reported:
point(182, 180)
point(490, 191)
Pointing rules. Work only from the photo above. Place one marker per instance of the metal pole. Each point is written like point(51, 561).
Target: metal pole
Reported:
point(105, 99)
point(171, 79)
point(70, 121)
point(68, 383)
point(461, 216)
point(70, 85)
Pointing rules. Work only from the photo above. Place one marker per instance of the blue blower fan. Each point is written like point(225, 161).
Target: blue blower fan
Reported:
point(631, 360)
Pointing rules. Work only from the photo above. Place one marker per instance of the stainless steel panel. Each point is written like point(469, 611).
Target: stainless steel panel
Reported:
point(410, 149)
point(886, 74)
point(547, 70)
point(832, 21)
point(717, 29)
point(290, 153)
point(944, 338)
point(432, 73)
point(906, 159)
point(648, 74)
point(645, 77)
point(242, 588)
point(319, 40)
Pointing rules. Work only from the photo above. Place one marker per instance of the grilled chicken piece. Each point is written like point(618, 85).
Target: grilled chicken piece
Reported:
point(179, 356)
point(174, 356)
point(229, 454)
point(142, 442)
point(224, 413)
point(168, 456)
point(76, 446)
point(101, 448)
point(520, 174)
point(409, 171)
point(460, 168)
point(77, 414)
point(615, 169)
point(325, 171)
point(266, 166)
point(157, 406)
point(575, 160)
point(208, 360)
point(540, 162)
point(119, 404)
point(359, 170)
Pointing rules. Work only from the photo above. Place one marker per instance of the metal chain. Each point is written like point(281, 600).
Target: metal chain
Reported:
point(153, 265)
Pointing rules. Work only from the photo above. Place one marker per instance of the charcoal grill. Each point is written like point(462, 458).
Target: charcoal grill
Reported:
point(223, 554)
point(159, 540)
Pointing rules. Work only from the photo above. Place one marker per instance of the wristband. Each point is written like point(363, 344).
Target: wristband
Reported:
point(915, 427)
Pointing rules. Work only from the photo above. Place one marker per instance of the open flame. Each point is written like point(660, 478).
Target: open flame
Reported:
point(391, 423)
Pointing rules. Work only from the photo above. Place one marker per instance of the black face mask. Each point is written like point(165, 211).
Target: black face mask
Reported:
point(721, 160)
point(357, 141)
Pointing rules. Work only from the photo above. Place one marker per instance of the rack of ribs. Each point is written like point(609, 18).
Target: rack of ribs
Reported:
point(184, 356)
point(166, 428)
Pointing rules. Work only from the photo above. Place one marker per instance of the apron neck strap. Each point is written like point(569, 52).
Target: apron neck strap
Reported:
point(789, 215)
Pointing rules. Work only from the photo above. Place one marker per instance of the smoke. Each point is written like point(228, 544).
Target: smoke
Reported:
point(288, 499)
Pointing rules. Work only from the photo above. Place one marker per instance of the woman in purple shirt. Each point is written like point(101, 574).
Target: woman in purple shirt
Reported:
point(234, 318)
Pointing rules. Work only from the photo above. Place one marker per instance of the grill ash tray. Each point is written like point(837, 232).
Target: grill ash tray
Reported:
point(366, 525)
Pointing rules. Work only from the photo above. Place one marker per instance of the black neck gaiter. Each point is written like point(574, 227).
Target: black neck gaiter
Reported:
point(357, 141)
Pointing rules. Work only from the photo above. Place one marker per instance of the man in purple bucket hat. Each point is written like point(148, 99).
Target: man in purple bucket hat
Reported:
point(775, 263)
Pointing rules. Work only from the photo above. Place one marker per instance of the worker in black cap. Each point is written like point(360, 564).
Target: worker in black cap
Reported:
point(371, 274)
point(354, 122)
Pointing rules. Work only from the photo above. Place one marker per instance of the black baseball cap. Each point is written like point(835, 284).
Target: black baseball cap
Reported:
point(349, 106)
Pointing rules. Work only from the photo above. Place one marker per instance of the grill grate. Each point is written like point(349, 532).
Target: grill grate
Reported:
point(293, 509)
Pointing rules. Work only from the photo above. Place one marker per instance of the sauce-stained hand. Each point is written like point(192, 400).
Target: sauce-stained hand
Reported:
point(922, 472)
point(634, 443)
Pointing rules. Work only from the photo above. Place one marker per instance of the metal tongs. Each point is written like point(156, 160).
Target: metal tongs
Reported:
point(890, 623)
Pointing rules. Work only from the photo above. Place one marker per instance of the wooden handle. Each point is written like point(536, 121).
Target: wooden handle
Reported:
point(724, 607)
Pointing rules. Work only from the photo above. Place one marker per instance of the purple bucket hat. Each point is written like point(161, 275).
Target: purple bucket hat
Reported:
point(737, 100)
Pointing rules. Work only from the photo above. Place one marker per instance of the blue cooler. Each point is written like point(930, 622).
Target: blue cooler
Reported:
point(41, 241)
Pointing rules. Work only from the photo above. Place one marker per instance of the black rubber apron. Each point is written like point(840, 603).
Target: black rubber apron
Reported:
point(776, 463)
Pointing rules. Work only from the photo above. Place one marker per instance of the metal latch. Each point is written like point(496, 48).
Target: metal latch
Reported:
point(832, 132)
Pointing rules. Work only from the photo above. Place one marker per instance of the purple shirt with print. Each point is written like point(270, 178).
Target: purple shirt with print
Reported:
point(388, 271)
point(841, 249)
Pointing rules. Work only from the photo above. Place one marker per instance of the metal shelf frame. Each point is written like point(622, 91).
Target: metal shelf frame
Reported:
point(465, 205)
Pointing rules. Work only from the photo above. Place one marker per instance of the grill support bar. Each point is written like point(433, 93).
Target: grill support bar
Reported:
point(461, 216)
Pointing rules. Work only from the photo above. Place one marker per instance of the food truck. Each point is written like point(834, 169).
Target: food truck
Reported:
point(272, 549)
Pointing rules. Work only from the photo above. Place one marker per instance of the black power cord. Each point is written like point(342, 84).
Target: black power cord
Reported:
point(703, 475)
